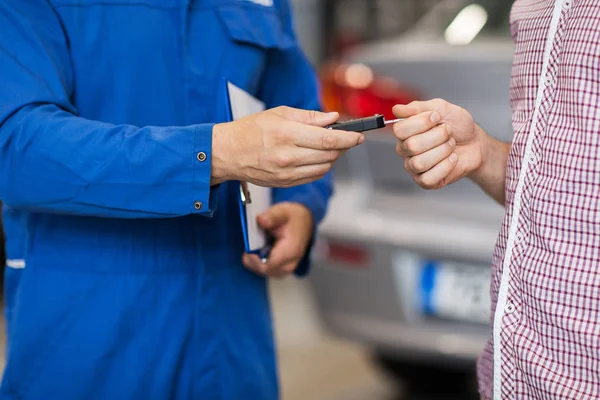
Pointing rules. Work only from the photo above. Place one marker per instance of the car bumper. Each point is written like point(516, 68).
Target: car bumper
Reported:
point(375, 303)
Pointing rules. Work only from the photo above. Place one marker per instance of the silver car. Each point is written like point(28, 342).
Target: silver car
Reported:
point(403, 270)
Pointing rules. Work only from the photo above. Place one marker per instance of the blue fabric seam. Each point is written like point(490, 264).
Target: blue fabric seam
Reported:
point(194, 168)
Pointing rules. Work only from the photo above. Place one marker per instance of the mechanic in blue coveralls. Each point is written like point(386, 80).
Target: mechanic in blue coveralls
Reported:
point(115, 167)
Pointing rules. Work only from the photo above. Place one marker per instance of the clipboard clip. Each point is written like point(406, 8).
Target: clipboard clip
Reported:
point(246, 199)
point(245, 193)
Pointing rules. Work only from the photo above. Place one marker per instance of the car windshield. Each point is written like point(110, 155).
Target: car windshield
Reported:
point(463, 15)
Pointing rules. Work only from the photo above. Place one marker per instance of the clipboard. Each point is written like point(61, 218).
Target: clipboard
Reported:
point(253, 200)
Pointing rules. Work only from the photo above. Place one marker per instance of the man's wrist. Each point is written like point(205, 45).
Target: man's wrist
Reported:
point(484, 143)
point(491, 174)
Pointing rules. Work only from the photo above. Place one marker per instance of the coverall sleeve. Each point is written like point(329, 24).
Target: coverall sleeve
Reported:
point(53, 161)
point(291, 80)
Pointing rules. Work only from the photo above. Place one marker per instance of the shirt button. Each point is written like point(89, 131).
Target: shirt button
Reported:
point(510, 308)
point(532, 159)
point(567, 5)
point(549, 81)
point(201, 156)
point(198, 205)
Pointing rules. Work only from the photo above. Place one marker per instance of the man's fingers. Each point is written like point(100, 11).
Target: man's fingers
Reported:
point(419, 123)
point(315, 138)
point(435, 178)
point(405, 110)
point(429, 159)
point(419, 144)
point(418, 107)
point(308, 117)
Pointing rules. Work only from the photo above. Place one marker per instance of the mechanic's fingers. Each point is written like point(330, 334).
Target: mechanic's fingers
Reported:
point(299, 156)
point(312, 157)
point(435, 178)
point(278, 265)
point(303, 174)
point(419, 144)
point(277, 259)
point(323, 139)
point(308, 117)
point(425, 161)
point(419, 123)
point(285, 270)
point(305, 181)
point(417, 107)
point(253, 263)
point(282, 253)
point(274, 217)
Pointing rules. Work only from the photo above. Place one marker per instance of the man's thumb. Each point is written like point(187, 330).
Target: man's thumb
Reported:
point(308, 117)
point(273, 218)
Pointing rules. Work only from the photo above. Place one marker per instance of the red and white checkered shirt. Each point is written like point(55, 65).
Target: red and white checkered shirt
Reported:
point(546, 271)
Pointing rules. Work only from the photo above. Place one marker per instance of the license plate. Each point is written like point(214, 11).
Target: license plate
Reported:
point(455, 291)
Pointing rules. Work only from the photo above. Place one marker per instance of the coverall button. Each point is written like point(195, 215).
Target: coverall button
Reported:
point(201, 156)
point(198, 205)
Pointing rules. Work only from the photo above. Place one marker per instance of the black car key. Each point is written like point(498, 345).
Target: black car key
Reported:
point(363, 124)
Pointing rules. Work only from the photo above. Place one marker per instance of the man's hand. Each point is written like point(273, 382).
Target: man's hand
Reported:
point(438, 141)
point(281, 147)
point(291, 224)
point(440, 144)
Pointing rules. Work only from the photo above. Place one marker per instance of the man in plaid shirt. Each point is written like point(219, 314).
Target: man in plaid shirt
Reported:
point(546, 265)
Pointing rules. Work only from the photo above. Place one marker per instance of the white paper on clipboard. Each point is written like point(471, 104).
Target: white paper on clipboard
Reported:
point(243, 104)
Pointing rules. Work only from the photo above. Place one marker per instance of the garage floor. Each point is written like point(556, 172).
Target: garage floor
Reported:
point(315, 366)
point(312, 364)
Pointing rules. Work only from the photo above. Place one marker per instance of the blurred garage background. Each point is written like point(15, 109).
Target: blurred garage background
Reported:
point(397, 306)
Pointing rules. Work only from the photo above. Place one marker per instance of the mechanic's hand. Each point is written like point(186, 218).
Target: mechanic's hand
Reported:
point(291, 225)
point(281, 147)
point(438, 141)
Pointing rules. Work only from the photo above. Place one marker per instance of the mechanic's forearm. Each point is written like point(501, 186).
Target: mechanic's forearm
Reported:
point(55, 162)
point(491, 175)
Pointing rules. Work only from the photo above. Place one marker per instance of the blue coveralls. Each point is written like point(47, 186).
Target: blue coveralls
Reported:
point(128, 291)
